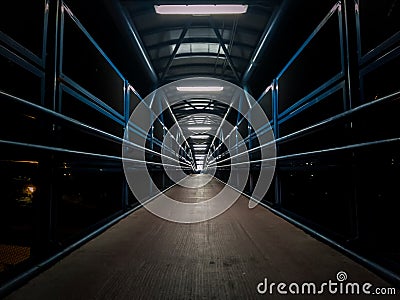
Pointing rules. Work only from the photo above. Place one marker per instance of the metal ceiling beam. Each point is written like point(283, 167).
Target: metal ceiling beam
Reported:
point(188, 103)
point(204, 40)
point(227, 55)
point(210, 55)
point(124, 22)
point(194, 102)
point(263, 42)
point(157, 30)
point(192, 74)
point(193, 65)
point(177, 45)
point(218, 112)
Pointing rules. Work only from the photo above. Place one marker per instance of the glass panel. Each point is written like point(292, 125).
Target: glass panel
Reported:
point(378, 170)
point(19, 186)
point(19, 82)
point(266, 105)
point(80, 111)
point(319, 62)
point(319, 190)
point(87, 191)
point(23, 21)
point(325, 108)
point(378, 21)
point(382, 81)
point(84, 64)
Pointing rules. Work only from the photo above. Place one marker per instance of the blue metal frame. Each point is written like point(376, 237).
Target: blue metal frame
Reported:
point(64, 88)
point(382, 60)
point(330, 82)
point(90, 38)
point(123, 17)
point(89, 98)
point(45, 31)
point(318, 94)
point(260, 47)
point(93, 98)
point(22, 50)
point(275, 93)
point(308, 100)
point(64, 77)
point(21, 62)
point(17, 47)
point(325, 20)
point(375, 57)
point(260, 131)
point(27, 66)
point(26, 58)
point(127, 101)
point(63, 117)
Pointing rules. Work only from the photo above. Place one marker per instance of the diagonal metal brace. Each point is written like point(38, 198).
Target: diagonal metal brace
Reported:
point(178, 44)
point(227, 55)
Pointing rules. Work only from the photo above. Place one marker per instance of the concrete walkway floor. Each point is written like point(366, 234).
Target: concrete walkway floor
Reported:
point(146, 257)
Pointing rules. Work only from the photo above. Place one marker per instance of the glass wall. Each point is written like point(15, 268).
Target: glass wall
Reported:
point(61, 174)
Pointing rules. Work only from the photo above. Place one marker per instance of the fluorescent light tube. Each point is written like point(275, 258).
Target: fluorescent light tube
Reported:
point(200, 137)
point(199, 128)
point(201, 9)
point(200, 88)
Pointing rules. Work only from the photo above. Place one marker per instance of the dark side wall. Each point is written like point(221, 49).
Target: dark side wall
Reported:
point(65, 98)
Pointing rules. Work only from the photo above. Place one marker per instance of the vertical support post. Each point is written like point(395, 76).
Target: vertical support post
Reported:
point(250, 145)
point(275, 118)
point(275, 112)
point(127, 100)
point(45, 208)
point(349, 15)
point(237, 131)
point(125, 188)
point(249, 132)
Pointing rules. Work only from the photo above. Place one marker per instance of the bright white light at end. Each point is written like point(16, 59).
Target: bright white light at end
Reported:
point(201, 9)
point(199, 128)
point(200, 88)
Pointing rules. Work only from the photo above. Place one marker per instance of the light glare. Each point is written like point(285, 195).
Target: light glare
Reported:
point(201, 9)
point(205, 128)
point(200, 88)
point(200, 137)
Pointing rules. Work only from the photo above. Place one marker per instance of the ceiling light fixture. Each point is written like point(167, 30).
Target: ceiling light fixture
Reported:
point(201, 9)
point(200, 88)
point(205, 128)
point(200, 137)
